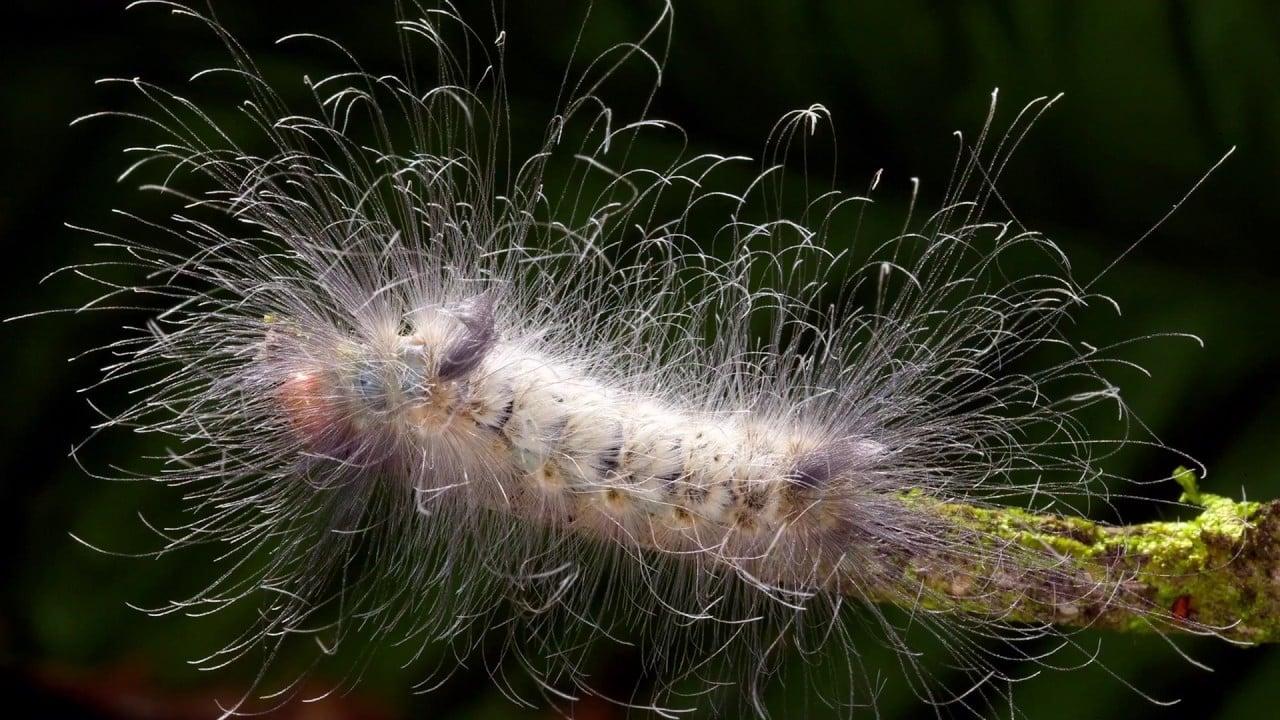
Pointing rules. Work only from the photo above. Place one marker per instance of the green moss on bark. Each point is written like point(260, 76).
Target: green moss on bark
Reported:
point(1218, 571)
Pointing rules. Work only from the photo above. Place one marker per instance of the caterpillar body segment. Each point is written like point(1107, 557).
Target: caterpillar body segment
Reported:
point(538, 441)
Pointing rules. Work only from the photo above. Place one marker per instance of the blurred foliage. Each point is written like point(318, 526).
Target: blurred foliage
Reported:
point(1155, 93)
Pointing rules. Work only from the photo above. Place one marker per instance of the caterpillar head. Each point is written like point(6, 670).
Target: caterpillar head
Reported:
point(417, 380)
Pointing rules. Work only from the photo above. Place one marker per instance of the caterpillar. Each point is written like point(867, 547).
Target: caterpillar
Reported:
point(424, 389)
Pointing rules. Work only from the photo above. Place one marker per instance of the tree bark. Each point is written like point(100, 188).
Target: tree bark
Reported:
point(1217, 573)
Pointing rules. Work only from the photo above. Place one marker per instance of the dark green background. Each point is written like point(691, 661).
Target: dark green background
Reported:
point(1155, 93)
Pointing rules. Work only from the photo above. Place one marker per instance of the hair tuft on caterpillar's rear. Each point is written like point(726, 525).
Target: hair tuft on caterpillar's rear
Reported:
point(424, 388)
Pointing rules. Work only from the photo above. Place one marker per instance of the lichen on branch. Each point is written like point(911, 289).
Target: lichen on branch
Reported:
point(1217, 573)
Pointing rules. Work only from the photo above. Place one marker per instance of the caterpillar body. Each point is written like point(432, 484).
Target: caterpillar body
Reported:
point(421, 389)
point(560, 449)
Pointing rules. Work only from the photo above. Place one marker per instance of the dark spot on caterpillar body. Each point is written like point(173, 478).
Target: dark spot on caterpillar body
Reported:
point(669, 480)
point(755, 498)
point(465, 352)
point(500, 422)
point(609, 459)
point(696, 494)
point(815, 469)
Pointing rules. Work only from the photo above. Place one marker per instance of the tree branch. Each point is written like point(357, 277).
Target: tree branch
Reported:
point(1218, 572)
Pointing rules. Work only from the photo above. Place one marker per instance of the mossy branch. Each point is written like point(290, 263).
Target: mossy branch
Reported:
point(1216, 573)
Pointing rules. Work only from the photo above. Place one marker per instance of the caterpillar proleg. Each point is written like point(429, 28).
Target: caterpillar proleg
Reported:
point(429, 386)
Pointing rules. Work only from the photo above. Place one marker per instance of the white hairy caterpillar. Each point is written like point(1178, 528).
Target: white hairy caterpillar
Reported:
point(419, 384)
